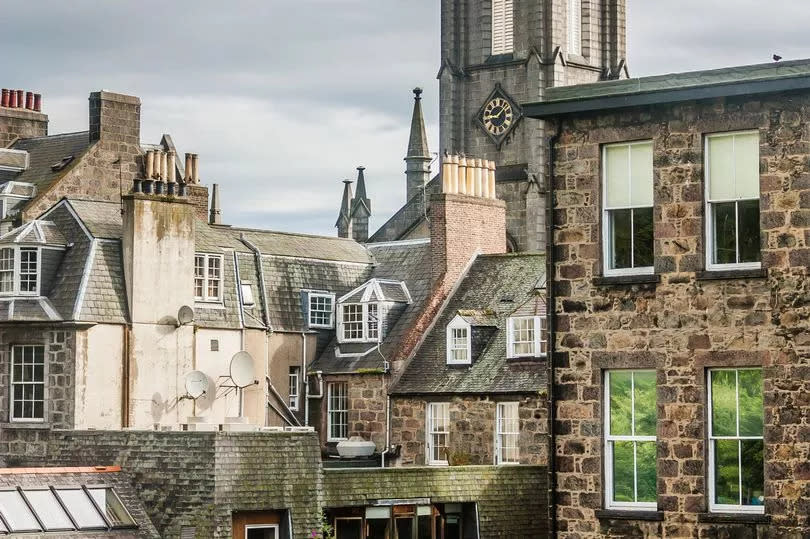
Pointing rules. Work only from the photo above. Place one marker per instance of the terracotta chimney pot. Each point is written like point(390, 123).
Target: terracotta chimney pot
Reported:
point(492, 193)
point(454, 174)
point(20, 97)
point(171, 164)
point(12, 99)
point(150, 163)
point(38, 102)
point(29, 100)
point(187, 174)
point(462, 175)
point(195, 167)
point(4, 99)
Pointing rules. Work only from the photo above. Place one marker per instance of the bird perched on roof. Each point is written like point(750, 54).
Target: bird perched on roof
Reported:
point(776, 57)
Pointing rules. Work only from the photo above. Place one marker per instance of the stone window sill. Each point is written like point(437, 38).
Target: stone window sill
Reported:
point(500, 58)
point(36, 425)
point(734, 518)
point(627, 279)
point(731, 274)
point(614, 514)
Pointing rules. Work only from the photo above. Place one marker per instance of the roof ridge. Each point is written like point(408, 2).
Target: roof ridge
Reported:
point(57, 135)
point(512, 255)
point(266, 231)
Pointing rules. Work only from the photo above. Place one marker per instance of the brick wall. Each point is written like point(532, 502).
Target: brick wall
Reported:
point(21, 123)
point(684, 324)
point(510, 498)
point(472, 428)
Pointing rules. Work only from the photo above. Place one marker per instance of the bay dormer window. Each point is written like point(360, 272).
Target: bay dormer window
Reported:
point(363, 314)
point(208, 277)
point(19, 271)
point(526, 336)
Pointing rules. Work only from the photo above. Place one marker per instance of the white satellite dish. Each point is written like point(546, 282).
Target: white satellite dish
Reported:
point(242, 369)
point(196, 384)
point(185, 315)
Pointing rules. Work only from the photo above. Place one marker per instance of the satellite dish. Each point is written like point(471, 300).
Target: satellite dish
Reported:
point(185, 315)
point(242, 369)
point(196, 384)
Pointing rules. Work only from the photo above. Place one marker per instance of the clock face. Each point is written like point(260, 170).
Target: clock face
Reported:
point(497, 116)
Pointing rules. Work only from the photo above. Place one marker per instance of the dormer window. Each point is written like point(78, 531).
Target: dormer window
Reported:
point(207, 277)
point(459, 342)
point(359, 322)
point(19, 271)
point(526, 336)
point(321, 310)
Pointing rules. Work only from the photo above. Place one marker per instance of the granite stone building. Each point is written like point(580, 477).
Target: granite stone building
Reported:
point(680, 260)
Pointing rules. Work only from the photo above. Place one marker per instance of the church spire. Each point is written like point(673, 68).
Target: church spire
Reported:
point(361, 209)
point(344, 220)
point(417, 161)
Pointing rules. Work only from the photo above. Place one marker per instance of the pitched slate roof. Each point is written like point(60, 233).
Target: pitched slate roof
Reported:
point(102, 219)
point(739, 80)
point(408, 262)
point(45, 152)
point(495, 284)
point(72, 478)
point(37, 231)
point(105, 295)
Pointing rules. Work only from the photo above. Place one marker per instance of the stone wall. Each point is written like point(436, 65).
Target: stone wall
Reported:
point(511, 499)
point(21, 123)
point(472, 428)
point(367, 401)
point(20, 439)
point(690, 320)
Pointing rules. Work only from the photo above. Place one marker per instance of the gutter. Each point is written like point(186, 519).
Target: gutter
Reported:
point(551, 329)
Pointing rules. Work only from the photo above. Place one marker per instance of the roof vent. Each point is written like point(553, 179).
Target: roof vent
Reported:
point(13, 160)
point(56, 167)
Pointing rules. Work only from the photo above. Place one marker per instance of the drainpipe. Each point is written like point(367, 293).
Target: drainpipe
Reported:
point(304, 377)
point(125, 382)
point(387, 409)
point(551, 328)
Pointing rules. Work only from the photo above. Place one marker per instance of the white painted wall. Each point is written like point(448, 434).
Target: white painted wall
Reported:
point(99, 377)
point(219, 402)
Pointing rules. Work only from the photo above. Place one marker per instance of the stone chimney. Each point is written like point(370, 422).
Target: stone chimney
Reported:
point(215, 217)
point(115, 126)
point(361, 209)
point(417, 161)
point(21, 116)
point(344, 220)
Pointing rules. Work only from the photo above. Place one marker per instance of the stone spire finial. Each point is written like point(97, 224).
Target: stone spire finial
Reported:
point(417, 160)
point(344, 220)
point(361, 209)
point(215, 215)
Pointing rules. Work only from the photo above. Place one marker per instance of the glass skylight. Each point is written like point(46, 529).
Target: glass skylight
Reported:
point(82, 510)
point(109, 502)
point(16, 512)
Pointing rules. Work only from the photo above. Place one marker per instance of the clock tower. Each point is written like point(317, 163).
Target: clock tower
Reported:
point(497, 54)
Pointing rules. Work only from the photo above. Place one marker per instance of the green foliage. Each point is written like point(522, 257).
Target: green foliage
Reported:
point(324, 531)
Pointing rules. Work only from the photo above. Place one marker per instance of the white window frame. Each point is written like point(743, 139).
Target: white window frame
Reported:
point(17, 270)
point(606, 229)
point(368, 333)
point(719, 507)
point(501, 433)
point(294, 380)
point(317, 296)
point(539, 336)
point(263, 527)
point(344, 397)
point(458, 323)
point(608, 445)
point(503, 27)
point(430, 431)
point(13, 383)
point(575, 27)
point(709, 211)
point(206, 297)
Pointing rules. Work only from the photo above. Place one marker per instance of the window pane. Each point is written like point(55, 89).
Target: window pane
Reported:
point(725, 234)
point(751, 405)
point(623, 472)
point(726, 472)
point(641, 175)
point(645, 461)
point(753, 472)
point(748, 226)
point(645, 403)
point(616, 176)
point(109, 502)
point(721, 168)
point(746, 165)
point(81, 508)
point(15, 511)
point(51, 514)
point(642, 237)
point(620, 242)
point(620, 405)
point(724, 403)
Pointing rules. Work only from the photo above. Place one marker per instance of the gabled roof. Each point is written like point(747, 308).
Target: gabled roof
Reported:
point(38, 231)
point(493, 287)
point(378, 290)
point(45, 152)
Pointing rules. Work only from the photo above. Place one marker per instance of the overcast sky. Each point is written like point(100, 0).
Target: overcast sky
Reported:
point(284, 98)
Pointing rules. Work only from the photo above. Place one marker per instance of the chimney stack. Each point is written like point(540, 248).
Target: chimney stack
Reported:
point(21, 116)
point(215, 217)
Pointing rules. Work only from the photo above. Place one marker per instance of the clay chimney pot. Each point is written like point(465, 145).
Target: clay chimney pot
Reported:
point(150, 163)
